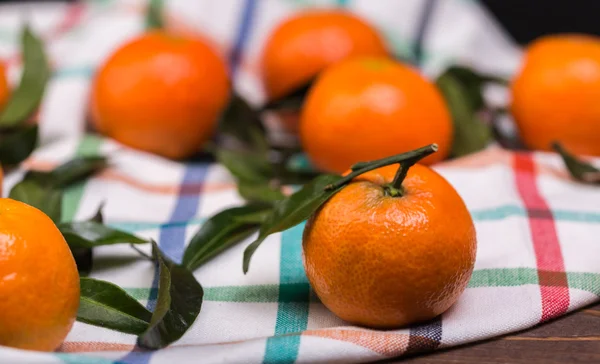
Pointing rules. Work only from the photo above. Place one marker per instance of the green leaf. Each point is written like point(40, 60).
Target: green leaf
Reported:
point(245, 166)
point(470, 133)
point(473, 83)
point(154, 15)
point(84, 256)
point(70, 172)
point(84, 259)
point(17, 144)
point(177, 306)
point(220, 232)
point(242, 122)
point(293, 210)
point(90, 234)
point(48, 200)
point(253, 218)
point(259, 192)
point(293, 100)
point(106, 305)
point(578, 169)
point(36, 72)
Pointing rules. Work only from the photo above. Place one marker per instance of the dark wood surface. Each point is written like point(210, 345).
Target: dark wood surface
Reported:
point(574, 338)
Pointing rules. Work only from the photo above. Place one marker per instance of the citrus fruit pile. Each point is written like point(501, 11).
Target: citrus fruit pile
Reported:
point(388, 241)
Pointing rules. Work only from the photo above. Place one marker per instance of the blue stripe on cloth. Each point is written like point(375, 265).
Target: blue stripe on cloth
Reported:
point(242, 35)
point(172, 241)
point(292, 312)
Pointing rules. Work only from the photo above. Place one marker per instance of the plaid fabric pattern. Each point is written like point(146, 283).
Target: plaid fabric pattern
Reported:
point(538, 254)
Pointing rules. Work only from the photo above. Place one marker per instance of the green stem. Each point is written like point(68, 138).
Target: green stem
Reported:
point(406, 160)
point(141, 252)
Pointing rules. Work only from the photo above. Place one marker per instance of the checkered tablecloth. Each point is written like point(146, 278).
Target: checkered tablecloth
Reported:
point(538, 249)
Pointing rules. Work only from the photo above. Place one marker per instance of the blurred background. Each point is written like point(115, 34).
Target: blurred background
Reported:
point(524, 20)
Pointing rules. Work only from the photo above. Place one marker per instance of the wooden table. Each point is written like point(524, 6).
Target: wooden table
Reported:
point(574, 338)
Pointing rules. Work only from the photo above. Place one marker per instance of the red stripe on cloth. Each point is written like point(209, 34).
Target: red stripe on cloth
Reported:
point(551, 268)
point(72, 17)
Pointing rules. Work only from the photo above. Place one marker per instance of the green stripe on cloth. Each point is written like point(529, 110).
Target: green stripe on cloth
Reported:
point(500, 277)
point(69, 72)
point(503, 277)
point(491, 214)
point(502, 212)
point(88, 146)
point(248, 294)
point(294, 294)
point(81, 359)
point(589, 282)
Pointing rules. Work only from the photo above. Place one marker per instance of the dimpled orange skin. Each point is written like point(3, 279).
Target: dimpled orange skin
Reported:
point(555, 94)
point(39, 282)
point(4, 87)
point(161, 93)
point(370, 108)
point(305, 44)
point(386, 262)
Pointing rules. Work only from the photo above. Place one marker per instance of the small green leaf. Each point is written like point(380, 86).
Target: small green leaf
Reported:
point(98, 216)
point(293, 210)
point(48, 200)
point(70, 172)
point(90, 234)
point(106, 305)
point(84, 259)
point(17, 144)
point(473, 83)
point(220, 232)
point(243, 122)
point(293, 100)
point(253, 218)
point(177, 306)
point(470, 133)
point(259, 192)
point(154, 15)
point(36, 72)
point(245, 166)
point(579, 169)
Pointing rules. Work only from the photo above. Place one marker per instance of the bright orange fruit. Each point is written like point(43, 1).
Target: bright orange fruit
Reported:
point(4, 87)
point(306, 43)
point(369, 108)
point(161, 93)
point(555, 94)
point(383, 261)
point(39, 282)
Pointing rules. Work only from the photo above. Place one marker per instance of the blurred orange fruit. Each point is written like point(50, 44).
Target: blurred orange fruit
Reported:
point(369, 108)
point(161, 93)
point(555, 94)
point(306, 43)
point(386, 262)
point(4, 87)
point(39, 282)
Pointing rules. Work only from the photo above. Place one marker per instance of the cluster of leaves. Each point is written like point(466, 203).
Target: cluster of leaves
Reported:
point(18, 137)
point(103, 303)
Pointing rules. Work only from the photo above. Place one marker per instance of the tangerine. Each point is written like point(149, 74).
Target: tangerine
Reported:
point(161, 93)
point(39, 282)
point(369, 108)
point(383, 261)
point(555, 94)
point(4, 87)
point(308, 42)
